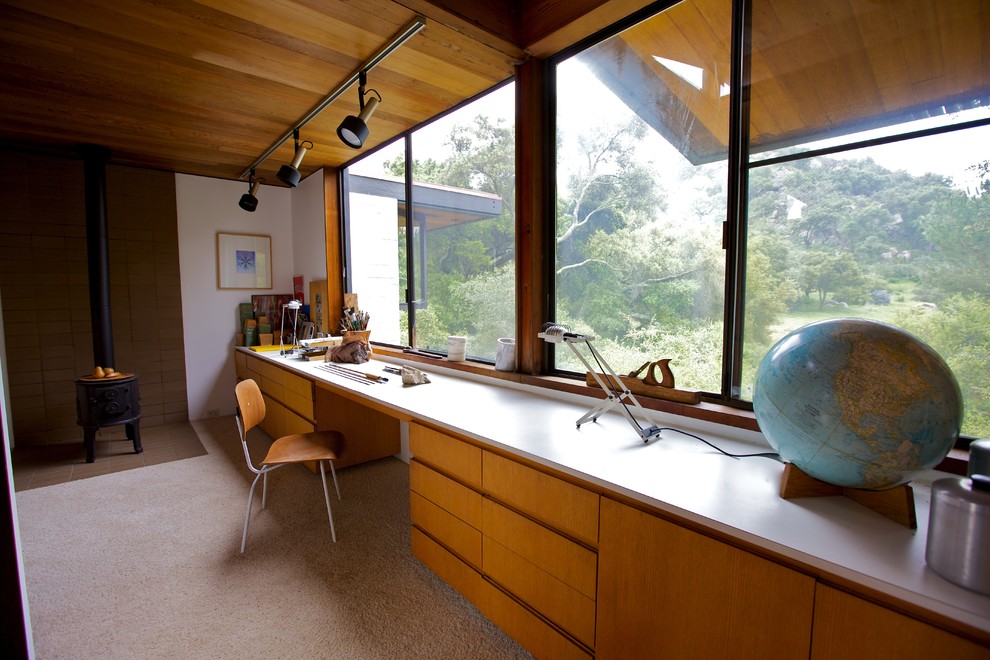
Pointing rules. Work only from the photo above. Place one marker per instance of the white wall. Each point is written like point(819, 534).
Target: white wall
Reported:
point(308, 231)
point(210, 319)
point(376, 277)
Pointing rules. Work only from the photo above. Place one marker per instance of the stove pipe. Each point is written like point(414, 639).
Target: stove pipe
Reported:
point(98, 251)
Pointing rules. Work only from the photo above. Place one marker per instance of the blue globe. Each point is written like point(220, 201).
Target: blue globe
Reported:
point(857, 403)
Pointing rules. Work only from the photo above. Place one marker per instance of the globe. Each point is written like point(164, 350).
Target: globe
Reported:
point(857, 403)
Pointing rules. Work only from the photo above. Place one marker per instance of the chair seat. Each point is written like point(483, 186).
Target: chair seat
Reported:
point(315, 446)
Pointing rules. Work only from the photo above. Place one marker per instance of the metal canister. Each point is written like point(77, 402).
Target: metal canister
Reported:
point(979, 457)
point(959, 531)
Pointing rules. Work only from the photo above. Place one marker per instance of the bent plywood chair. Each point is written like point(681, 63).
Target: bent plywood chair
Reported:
point(316, 446)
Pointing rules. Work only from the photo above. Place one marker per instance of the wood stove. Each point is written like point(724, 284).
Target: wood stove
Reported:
point(113, 400)
point(108, 402)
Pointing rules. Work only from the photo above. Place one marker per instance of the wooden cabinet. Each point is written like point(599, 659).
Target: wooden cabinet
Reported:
point(668, 592)
point(507, 535)
point(567, 572)
point(851, 628)
point(370, 434)
point(448, 454)
point(451, 512)
point(295, 404)
point(288, 396)
point(560, 504)
point(554, 575)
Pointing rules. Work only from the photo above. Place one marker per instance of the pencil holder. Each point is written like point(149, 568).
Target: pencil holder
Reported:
point(363, 336)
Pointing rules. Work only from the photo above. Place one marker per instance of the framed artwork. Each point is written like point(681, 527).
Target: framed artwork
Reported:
point(244, 261)
point(318, 312)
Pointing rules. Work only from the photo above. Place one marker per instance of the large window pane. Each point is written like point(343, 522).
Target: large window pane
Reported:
point(376, 243)
point(895, 232)
point(642, 129)
point(454, 254)
point(464, 219)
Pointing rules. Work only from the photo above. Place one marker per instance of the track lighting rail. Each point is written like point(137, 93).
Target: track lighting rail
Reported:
point(400, 38)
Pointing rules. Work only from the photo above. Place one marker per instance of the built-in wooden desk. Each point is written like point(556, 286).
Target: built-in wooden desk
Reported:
point(584, 542)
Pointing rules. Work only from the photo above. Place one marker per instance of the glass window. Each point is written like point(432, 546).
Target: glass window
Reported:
point(456, 246)
point(642, 129)
point(858, 206)
point(376, 243)
point(866, 131)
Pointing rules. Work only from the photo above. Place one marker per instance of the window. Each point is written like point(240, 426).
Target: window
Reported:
point(864, 179)
point(641, 194)
point(447, 267)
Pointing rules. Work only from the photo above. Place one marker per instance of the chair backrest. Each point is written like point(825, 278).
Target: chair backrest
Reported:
point(250, 405)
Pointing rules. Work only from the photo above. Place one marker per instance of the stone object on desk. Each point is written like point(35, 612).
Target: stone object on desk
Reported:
point(412, 376)
point(355, 352)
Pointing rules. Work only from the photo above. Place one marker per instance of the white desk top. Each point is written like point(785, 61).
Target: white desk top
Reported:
point(682, 476)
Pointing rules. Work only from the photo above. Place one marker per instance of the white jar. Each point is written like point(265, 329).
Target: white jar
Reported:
point(456, 348)
point(505, 355)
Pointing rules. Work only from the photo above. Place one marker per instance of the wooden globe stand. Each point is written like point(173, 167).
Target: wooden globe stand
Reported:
point(896, 503)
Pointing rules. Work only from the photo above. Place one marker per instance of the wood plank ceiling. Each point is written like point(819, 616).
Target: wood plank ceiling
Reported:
point(206, 86)
point(819, 69)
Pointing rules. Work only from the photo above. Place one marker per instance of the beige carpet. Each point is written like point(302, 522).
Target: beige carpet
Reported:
point(146, 564)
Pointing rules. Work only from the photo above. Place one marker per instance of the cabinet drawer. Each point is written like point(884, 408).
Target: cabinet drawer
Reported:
point(458, 459)
point(571, 509)
point(274, 422)
point(663, 586)
point(253, 366)
point(297, 384)
point(272, 388)
point(298, 393)
point(466, 580)
point(448, 529)
point(446, 493)
point(240, 365)
point(565, 560)
point(296, 424)
point(557, 601)
point(847, 626)
point(533, 633)
point(301, 404)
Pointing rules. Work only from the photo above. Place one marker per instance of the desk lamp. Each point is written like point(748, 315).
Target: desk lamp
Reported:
point(616, 393)
point(293, 305)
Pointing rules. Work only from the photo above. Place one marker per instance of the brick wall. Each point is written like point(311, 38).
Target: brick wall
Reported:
point(45, 292)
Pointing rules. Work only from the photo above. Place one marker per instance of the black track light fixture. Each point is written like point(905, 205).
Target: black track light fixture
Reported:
point(354, 129)
point(249, 200)
point(289, 174)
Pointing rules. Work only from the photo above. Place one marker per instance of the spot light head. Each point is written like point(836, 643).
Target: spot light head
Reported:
point(353, 131)
point(289, 173)
point(249, 200)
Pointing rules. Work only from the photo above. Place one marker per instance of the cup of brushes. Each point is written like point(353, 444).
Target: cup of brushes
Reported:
point(354, 326)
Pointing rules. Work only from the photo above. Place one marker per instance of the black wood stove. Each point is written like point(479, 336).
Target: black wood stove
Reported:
point(107, 402)
point(114, 400)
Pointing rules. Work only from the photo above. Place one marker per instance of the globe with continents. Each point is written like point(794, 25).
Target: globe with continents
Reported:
point(857, 403)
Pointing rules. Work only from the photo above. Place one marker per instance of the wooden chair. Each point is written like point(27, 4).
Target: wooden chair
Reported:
point(316, 446)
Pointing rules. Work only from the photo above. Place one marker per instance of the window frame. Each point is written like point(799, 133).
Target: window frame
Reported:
point(535, 111)
point(740, 164)
point(411, 302)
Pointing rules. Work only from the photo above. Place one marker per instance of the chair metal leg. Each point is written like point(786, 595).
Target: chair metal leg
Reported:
point(335, 484)
point(247, 515)
point(326, 496)
point(264, 489)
